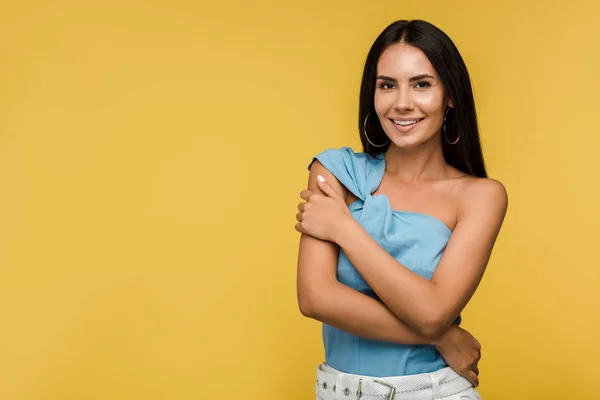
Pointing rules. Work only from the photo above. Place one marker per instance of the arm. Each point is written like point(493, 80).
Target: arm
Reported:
point(430, 307)
point(322, 297)
point(344, 308)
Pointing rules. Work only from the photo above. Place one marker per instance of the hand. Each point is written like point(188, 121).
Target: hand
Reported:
point(322, 216)
point(462, 352)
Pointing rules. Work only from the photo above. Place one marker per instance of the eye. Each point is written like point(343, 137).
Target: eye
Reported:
point(423, 85)
point(386, 86)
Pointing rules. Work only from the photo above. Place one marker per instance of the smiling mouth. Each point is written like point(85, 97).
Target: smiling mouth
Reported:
point(406, 123)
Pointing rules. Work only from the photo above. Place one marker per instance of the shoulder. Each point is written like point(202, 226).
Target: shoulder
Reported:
point(317, 168)
point(487, 189)
point(342, 155)
point(484, 196)
point(329, 163)
point(357, 172)
point(346, 159)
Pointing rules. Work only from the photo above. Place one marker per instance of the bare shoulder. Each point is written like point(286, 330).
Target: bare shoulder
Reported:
point(484, 195)
point(486, 189)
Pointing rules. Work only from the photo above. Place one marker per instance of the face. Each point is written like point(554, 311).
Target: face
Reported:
point(410, 98)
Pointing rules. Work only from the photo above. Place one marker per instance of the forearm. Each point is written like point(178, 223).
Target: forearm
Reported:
point(353, 312)
point(410, 297)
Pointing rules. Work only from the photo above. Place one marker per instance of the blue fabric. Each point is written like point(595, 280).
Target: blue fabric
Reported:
point(416, 240)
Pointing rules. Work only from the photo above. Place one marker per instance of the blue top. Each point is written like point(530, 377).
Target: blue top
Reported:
point(416, 240)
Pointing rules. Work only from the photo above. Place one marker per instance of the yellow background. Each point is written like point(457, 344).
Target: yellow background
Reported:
point(151, 156)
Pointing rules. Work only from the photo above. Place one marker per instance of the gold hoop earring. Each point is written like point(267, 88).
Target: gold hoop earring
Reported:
point(444, 129)
point(367, 136)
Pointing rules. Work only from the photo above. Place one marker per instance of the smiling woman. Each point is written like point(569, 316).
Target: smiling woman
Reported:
point(395, 239)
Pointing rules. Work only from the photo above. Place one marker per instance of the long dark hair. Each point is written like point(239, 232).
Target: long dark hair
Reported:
point(466, 155)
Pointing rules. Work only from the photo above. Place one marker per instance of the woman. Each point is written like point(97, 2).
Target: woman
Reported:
point(396, 239)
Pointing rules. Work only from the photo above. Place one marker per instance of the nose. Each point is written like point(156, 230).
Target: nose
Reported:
point(403, 99)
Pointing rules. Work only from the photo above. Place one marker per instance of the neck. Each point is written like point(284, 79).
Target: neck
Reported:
point(421, 163)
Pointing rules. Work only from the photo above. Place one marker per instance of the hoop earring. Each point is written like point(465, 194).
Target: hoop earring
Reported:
point(444, 129)
point(367, 136)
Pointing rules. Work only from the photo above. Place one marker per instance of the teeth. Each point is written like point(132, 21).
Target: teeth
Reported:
point(405, 123)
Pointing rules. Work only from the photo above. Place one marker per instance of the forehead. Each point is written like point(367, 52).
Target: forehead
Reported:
point(403, 60)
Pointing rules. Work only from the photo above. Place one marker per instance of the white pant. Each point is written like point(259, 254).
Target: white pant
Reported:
point(444, 384)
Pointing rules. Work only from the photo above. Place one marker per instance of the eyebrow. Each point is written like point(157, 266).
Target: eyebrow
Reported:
point(412, 79)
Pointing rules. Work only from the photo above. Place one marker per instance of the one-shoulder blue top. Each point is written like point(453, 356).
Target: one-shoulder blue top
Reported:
point(416, 240)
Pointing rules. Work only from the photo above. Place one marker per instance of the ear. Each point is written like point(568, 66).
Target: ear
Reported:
point(450, 103)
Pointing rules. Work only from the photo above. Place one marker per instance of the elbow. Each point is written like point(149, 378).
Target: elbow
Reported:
point(433, 325)
point(308, 303)
point(431, 330)
point(313, 299)
point(306, 307)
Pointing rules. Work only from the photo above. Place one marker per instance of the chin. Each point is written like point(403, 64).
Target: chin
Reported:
point(407, 142)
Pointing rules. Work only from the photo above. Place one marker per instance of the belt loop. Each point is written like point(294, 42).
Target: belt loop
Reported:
point(338, 387)
point(435, 380)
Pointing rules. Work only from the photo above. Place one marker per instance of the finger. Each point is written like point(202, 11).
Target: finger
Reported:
point(306, 194)
point(298, 227)
point(301, 207)
point(473, 378)
point(476, 370)
point(326, 187)
point(299, 217)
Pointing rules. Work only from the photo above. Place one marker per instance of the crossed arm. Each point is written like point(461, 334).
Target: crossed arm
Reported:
point(414, 309)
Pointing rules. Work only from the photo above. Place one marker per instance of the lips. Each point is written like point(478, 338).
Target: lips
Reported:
point(406, 122)
point(405, 125)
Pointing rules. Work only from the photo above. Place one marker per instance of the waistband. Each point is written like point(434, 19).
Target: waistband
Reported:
point(334, 384)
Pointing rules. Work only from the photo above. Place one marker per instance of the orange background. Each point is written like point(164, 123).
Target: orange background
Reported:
point(151, 157)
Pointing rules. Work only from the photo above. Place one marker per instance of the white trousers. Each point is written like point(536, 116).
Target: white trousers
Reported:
point(444, 384)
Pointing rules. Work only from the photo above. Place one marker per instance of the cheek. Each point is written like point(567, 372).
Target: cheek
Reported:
point(382, 103)
point(429, 102)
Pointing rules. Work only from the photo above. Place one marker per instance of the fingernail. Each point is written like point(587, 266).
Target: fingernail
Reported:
point(320, 178)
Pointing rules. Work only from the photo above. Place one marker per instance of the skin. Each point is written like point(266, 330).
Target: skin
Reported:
point(417, 178)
